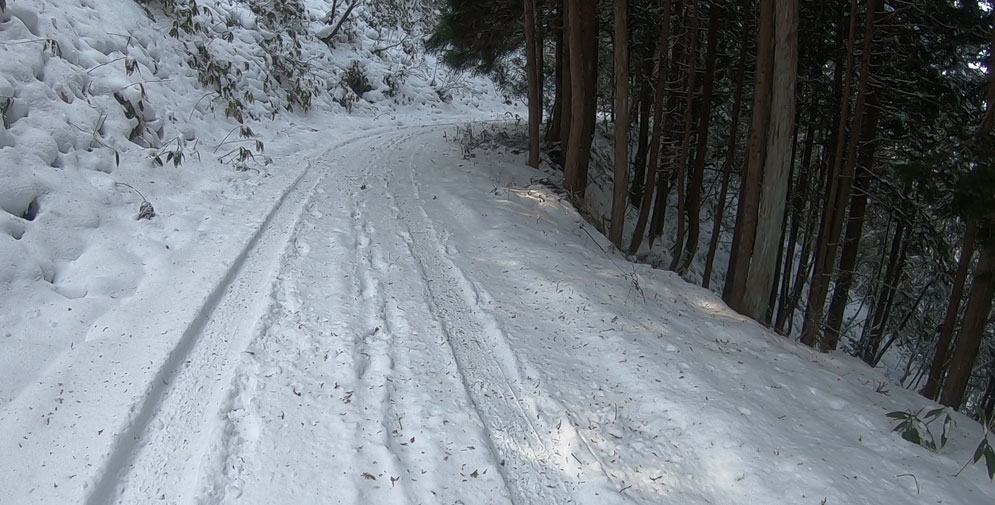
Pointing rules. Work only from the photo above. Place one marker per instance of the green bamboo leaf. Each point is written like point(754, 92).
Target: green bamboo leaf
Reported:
point(945, 436)
point(912, 435)
point(980, 451)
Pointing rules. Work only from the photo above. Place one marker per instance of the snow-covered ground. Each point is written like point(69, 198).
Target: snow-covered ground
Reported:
point(363, 314)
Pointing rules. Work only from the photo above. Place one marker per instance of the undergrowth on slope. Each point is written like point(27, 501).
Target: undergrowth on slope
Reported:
point(915, 427)
point(288, 81)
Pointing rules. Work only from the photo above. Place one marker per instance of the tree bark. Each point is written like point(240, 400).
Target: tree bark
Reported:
point(690, 84)
point(744, 235)
point(869, 345)
point(697, 176)
point(939, 363)
point(979, 305)
point(760, 276)
point(838, 195)
point(762, 201)
point(979, 302)
point(737, 101)
point(532, 76)
point(554, 131)
point(621, 183)
point(582, 28)
point(783, 265)
point(567, 112)
point(854, 226)
point(654, 149)
point(637, 187)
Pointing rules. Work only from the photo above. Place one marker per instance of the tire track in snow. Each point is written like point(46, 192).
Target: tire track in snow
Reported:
point(152, 445)
point(545, 459)
point(154, 457)
point(345, 348)
point(294, 357)
point(564, 432)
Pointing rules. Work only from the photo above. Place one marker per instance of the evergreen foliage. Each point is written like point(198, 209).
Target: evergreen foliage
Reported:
point(478, 35)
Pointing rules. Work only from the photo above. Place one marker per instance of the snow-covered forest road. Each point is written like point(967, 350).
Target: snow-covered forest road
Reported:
point(409, 325)
point(367, 373)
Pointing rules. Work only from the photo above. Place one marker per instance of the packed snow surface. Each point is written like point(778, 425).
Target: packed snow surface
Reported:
point(369, 313)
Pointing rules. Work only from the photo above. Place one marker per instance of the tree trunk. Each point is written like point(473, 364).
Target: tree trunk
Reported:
point(784, 322)
point(939, 363)
point(979, 305)
point(637, 187)
point(697, 175)
point(566, 76)
point(765, 182)
point(782, 265)
point(663, 174)
point(553, 129)
point(979, 302)
point(720, 205)
point(532, 73)
point(988, 399)
point(854, 226)
point(869, 345)
point(799, 202)
point(582, 29)
point(843, 46)
point(658, 128)
point(744, 235)
point(900, 328)
point(663, 181)
point(838, 196)
point(777, 164)
point(690, 84)
point(621, 183)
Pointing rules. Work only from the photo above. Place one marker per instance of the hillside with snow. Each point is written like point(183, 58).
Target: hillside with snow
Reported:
point(254, 253)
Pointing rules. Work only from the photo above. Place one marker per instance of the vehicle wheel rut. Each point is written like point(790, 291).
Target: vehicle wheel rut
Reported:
point(351, 360)
point(545, 460)
point(357, 367)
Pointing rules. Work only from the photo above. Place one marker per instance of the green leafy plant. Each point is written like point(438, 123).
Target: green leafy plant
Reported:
point(240, 155)
point(172, 152)
point(915, 427)
point(985, 449)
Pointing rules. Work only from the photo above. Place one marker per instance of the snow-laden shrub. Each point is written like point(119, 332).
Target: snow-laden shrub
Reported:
point(394, 81)
point(355, 79)
point(246, 52)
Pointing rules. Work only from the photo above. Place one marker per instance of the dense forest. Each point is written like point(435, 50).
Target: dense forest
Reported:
point(845, 148)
